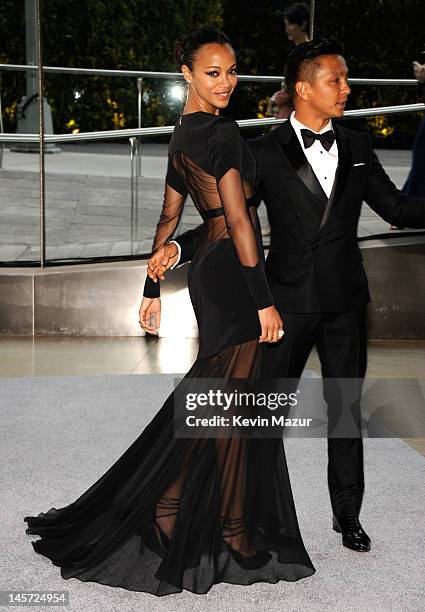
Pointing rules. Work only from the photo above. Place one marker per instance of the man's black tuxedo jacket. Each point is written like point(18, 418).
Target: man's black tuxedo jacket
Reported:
point(314, 263)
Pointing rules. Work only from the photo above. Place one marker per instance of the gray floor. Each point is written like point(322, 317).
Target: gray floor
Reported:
point(39, 356)
point(88, 201)
point(50, 465)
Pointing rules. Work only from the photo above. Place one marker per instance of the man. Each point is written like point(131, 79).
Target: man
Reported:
point(313, 176)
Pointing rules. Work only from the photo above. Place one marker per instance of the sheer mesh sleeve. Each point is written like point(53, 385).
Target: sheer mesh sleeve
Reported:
point(174, 197)
point(226, 161)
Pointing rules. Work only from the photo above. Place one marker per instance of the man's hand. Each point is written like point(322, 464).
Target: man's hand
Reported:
point(161, 261)
point(150, 315)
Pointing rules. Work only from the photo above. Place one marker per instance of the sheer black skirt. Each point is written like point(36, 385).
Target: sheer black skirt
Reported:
point(208, 495)
point(204, 487)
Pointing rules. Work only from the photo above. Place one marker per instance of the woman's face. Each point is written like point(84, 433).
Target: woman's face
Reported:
point(213, 77)
point(294, 31)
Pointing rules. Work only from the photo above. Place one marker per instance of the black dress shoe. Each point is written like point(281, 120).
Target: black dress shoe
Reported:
point(353, 534)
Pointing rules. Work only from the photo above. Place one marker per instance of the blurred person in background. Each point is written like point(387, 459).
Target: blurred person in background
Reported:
point(280, 106)
point(297, 20)
point(415, 182)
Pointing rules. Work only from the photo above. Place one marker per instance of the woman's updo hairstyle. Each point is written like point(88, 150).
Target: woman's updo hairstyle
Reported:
point(188, 46)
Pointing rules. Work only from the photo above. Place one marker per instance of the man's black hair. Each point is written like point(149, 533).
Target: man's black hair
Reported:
point(304, 57)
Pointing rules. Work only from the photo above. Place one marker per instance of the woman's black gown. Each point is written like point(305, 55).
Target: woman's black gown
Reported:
point(213, 492)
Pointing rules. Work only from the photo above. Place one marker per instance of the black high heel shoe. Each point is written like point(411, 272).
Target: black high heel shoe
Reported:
point(156, 540)
point(235, 527)
point(260, 559)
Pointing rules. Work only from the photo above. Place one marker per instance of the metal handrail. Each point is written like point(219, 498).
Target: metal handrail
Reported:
point(178, 75)
point(41, 123)
point(1, 129)
point(168, 129)
point(312, 16)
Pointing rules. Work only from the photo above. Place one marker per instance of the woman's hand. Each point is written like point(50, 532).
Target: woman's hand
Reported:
point(271, 325)
point(150, 315)
point(161, 261)
point(419, 71)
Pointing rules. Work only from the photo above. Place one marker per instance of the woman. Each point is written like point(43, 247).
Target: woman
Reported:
point(186, 513)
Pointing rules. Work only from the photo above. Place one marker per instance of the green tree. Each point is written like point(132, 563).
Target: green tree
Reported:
point(381, 37)
point(122, 34)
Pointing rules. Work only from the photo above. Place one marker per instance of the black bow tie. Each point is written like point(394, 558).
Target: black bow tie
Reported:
point(327, 138)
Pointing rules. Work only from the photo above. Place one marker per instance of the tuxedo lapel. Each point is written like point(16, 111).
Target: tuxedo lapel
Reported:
point(290, 146)
point(341, 175)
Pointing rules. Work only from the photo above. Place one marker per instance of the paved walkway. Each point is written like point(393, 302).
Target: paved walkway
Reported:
point(88, 201)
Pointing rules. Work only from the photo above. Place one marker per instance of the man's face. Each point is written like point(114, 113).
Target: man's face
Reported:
point(328, 90)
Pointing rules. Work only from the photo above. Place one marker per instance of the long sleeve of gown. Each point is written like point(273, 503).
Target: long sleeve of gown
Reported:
point(174, 196)
point(226, 163)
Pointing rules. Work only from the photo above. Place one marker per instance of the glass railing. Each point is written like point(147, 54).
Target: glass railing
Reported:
point(104, 188)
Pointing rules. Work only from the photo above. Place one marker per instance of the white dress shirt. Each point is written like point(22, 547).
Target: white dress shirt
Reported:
point(324, 163)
